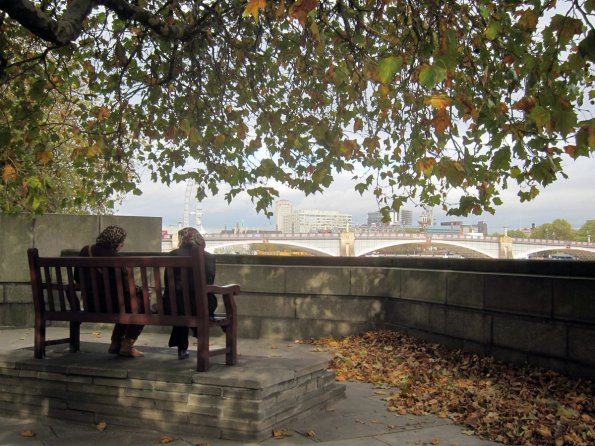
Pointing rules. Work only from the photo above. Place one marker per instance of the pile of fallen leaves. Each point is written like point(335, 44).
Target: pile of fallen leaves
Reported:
point(495, 400)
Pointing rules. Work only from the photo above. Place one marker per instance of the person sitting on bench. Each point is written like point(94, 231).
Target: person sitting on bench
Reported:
point(109, 242)
point(187, 238)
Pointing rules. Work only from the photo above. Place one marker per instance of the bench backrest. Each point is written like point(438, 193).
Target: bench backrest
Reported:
point(105, 285)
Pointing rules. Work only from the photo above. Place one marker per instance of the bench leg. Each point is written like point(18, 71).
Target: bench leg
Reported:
point(39, 341)
point(202, 353)
point(231, 339)
point(75, 336)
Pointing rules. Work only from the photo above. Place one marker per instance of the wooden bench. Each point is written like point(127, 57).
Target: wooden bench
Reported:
point(57, 297)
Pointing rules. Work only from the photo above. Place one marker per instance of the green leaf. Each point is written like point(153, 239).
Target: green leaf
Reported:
point(388, 67)
point(564, 121)
point(429, 76)
point(492, 30)
point(587, 46)
point(566, 27)
point(541, 116)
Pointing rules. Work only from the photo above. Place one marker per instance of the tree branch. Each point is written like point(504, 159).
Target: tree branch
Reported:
point(61, 31)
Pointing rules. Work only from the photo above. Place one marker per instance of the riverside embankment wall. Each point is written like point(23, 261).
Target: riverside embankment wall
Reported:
point(537, 312)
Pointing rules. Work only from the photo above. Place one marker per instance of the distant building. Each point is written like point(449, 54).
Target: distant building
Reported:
point(283, 210)
point(304, 221)
point(375, 219)
point(406, 217)
point(290, 221)
point(482, 227)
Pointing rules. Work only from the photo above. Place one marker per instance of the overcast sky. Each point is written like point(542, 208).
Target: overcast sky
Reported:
point(572, 199)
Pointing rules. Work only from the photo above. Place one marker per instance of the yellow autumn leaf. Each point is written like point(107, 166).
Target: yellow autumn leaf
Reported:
point(544, 431)
point(166, 439)
point(528, 19)
point(253, 8)
point(439, 101)
point(358, 125)
point(103, 113)
point(441, 121)
point(301, 9)
point(9, 173)
point(280, 9)
point(426, 165)
point(44, 156)
point(101, 426)
point(27, 434)
point(93, 151)
point(281, 433)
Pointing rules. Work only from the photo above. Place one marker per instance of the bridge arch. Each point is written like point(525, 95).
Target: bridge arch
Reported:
point(211, 247)
point(389, 243)
point(568, 249)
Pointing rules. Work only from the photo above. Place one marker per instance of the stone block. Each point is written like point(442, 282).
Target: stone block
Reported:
point(249, 326)
point(17, 315)
point(353, 309)
point(323, 280)
point(465, 289)
point(574, 299)
point(376, 282)
point(55, 232)
point(467, 325)
point(266, 305)
point(510, 355)
point(16, 236)
point(530, 336)
point(410, 314)
point(581, 345)
point(253, 278)
point(278, 328)
point(16, 293)
point(424, 285)
point(518, 294)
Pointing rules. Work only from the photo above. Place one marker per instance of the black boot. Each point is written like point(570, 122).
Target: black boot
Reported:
point(183, 353)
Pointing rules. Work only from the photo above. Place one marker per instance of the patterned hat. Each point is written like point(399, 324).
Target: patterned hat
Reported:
point(189, 237)
point(111, 237)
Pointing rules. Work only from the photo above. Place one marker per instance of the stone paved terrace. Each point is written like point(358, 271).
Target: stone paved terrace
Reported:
point(355, 417)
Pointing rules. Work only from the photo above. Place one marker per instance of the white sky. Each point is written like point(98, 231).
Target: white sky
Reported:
point(572, 199)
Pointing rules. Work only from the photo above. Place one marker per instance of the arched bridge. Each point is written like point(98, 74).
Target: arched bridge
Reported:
point(364, 243)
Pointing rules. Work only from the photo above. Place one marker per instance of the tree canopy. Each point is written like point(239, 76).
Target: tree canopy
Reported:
point(425, 98)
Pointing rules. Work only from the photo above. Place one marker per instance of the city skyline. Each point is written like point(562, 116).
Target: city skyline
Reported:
point(572, 199)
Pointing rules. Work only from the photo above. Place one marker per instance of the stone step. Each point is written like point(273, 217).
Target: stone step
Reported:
point(158, 391)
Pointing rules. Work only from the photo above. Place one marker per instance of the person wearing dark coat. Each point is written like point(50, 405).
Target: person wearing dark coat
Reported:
point(187, 239)
point(109, 242)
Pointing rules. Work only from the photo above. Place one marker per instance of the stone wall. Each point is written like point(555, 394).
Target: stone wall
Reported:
point(538, 312)
point(535, 311)
point(51, 234)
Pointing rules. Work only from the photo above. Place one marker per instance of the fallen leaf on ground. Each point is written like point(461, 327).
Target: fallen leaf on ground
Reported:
point(492, 399)
point(101, 426)
point(281, 433)
point(27, 434)
point(166, 439)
